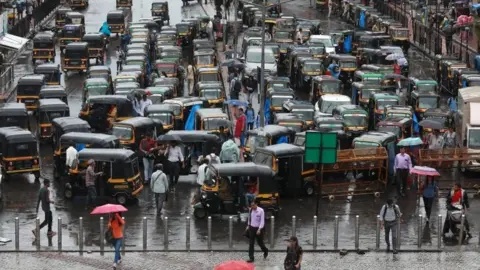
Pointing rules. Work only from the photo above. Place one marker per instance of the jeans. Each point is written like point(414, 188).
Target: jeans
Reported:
point(250, 125)
point(391, 226)
point(147, 168)
point(402, 175)
point(119, 66)
point(48, 220)
point(91, 195)
point(117, 246)
point(252, 232)
point(159, 199)
point(242, 139)
point(428, 202)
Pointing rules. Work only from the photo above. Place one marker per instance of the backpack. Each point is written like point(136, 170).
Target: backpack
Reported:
point(237, 86)
point(394, 208)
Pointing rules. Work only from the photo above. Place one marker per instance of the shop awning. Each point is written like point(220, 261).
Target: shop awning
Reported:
point(12, 42)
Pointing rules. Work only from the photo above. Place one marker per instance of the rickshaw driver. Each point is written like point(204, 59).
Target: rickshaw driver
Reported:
point(457, 200)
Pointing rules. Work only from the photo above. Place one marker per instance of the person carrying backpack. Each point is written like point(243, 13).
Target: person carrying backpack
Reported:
point(390, 215)
point(236, 87)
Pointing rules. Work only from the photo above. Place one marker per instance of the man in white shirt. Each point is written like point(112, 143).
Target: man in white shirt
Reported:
point(71, 153)
point(176, 160)
point(190, 79)
point(210, 30)
point(146, 102)
point(201, 173)
point(299, 36)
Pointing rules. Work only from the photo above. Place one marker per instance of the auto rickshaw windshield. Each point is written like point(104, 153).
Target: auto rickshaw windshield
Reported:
point(183, 28)
point(279, 100)
point(12, 121)
point(346, 64)
point(393, 129)
point(70, 32)
point(473, 138)
point(263, 159)
point(165, 118)
point(332, 127)
point(75, 54)
point(307, 115)
point(43, 44)
point(355, 120)
point(47, 117)
point(255, 141)
point(331, 87)
point(382, 103)
point(328, 106)
point(122, 132)
point(318, 50)
point(210, 93)
point(208, 77)
point(401, 33)
point(157, 6)
point(213, 123)
point(367, 93)
point(283, 35)
point(169, 69)
point(21, 149)
point(312, 67)
point(399, 115)
point(97, 90)
point(297, 127)
point(424, 88)
point(205, 59)
point(427, 102)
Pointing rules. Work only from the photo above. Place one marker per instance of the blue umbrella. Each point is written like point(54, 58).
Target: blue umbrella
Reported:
point(410, 142)
point(236, 102)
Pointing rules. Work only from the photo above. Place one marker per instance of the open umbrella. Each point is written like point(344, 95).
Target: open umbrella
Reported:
point(232, 63)
point(430, 123)
point(236, 102)
point(108, 209)
point(424, 170)
point(394, 56)
point(415, 141)
point(235, 265)
point(168, 138)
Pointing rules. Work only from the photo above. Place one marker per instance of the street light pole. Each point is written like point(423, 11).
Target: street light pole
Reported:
point(262, 71)
point(235, 29)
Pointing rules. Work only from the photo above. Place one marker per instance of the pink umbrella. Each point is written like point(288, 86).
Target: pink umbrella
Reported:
point(108, 209)
point(235, 265)
point(423, 170)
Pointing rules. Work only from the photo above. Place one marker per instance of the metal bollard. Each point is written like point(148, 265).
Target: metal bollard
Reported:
point(462, 223)
point(272, 232)
point(17, 234)
point(335, 234)
point(314, 232)
point(294, 225)
point(37, 232)
point(102, 235)
point(357, 232)
point(420, 230)
point(144, 233)
point(165, 233)
point(209, 231)
point(230, 232)
point(59, 234)
point(124, 237)
point(377, 236)
point(80, 235)
point(187, 234)
point(399, 242)
point(440, 232)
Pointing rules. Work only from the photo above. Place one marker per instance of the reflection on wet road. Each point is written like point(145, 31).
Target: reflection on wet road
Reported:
point(20, 200)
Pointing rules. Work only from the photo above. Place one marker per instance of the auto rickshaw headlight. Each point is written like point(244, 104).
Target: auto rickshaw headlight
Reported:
point(204, 196)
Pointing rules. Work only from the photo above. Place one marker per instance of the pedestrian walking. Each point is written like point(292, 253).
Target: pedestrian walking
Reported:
point(240, 128)
point(401, 169)
point(175, 160)
point(235, 87)
point(45, 200)
point(116, 224)
point(71, 157)
point(90, 179)
point(190, 79)
point(147, 148)
point(299, 36)
point(120, 56)
point(330, 6)
point(390, 215)
point(293, 260)
point(255, 230)
point(250, 116)
point(434, 140)
point(159, 187)
point(230, 152)
point(429, 190)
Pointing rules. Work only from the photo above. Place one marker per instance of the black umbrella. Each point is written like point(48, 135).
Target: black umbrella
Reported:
point(233, 63)
point(430, 123)
point(394, 76)
point(168, 138)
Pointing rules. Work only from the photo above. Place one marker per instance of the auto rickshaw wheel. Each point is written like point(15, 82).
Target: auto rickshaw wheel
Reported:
point(309, 189)
point(68, 193)
point(200, 213)
point(121, 199)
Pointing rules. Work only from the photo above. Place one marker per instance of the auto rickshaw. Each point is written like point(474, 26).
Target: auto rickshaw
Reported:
point(422, 86)
point(302, 108)
point(51, 71)
point(76, 58)
point(44, 47)
point(354, 117)
point(379, 69)
point(268, 135)
point(401, 127)
point(213, 92)
point(324, 84)
point(97, 45)
point(54, 92)
point(374, 42)
point(168, 67)
point(204, 58)
point(346, 63)
point(276, 97)
point(28, 90)
point(327, 102)
point(277, 82)
point(124, 4)
point(318, 51)
point(398, 111)
point(78, 4)
point(377, 104)
point(182, 108)
point(208, 75)
point(79, 140)
point(102, 111)
point(60, 17)
point(64, 125)
point(131, 73)
point(444, 116)
point(121, 179)
point(158, 94)
point(307, 68)
point(164, 113)
point(71, 33)
point(211, 120)
point(49, 109)
point(117, 21)
point(167, 35)
point(293, 53)
point(185, 33)
point(457, 81)
point(420, 102)
point(125, 88)
point(100, 72)
point(95, 87)
point(283, 36)
point(368, 77)
point(220, 196)
point(286, 160)
point(400, 37)
point(445, 72)
point(14, 114)
point(290, 120)
point(202, 26)
point(131, 131)
point(75, 17)
point(174, 83)
point(362, 91)
point(202, 44)
point(19, 153)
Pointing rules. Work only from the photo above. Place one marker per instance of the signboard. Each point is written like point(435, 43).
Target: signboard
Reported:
point(320, 147)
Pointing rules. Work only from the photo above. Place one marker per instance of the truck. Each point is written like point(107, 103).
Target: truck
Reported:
point(467, 121)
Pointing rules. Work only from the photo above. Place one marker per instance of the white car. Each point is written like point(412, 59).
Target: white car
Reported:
point(328, 102)
point(253, 59)
point(326, 40)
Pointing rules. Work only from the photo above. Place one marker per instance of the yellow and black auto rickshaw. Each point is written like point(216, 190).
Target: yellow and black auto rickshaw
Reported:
point(78, 4)
point(211, 120)
point(124, 4)
point(204, 58)
point(213, 92)
point(268, 135)
point(121, 178)
point(54, 92)
point(208, 75)
point(163, 113)
point(71, 33)
point(117, 21)
point(52, 73)
point(103, 110)
point(19, 153)
point(97, 45)
point(14, 115)
point(182, 107)
point(160, 9)
point(131, 131)
point(75, 17)
point(28, 90)
point(322, 85)
point(44, 47)
point(76, 57)
point(60, 17)
point(49, 109)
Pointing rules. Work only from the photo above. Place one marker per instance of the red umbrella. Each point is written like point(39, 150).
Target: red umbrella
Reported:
point(423, 170)
point(108, 209)
point(235, 265)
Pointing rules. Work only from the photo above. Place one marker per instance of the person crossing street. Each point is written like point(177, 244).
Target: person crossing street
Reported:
point(390, 216)
point(45, 200)
point(159, 187)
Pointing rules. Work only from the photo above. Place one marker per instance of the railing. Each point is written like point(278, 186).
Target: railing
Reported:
point(7, 81)
point(225, 244)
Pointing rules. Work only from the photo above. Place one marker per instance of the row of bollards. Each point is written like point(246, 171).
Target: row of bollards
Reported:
point(230, 233)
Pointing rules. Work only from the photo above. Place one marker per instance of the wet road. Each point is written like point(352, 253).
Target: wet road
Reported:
point(21, 193)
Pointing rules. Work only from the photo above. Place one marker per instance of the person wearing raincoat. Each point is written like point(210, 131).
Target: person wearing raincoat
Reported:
point(230, 152)
point(334, 70)
point(105, 29)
